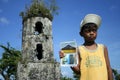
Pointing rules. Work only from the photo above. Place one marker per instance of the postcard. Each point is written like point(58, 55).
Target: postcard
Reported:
point(69, 49)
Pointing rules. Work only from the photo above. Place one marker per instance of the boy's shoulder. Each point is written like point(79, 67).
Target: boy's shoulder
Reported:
point(103, 45)
point(98, 44)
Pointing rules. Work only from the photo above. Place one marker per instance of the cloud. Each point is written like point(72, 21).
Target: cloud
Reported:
point(113, 7)
point(4, 20)
point(5, 0)
point(0, 10)
point(66, 72)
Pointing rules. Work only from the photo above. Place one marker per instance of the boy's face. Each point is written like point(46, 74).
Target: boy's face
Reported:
point(89, 33)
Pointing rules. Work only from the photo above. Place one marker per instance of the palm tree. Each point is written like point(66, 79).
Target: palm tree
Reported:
point(9, 61)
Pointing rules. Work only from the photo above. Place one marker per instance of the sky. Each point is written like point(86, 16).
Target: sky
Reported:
point(66, 25)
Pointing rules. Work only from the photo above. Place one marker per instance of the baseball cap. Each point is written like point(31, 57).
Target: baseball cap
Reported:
point(91, 18)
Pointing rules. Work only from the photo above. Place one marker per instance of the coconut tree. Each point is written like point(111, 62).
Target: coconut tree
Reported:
point(9, 61)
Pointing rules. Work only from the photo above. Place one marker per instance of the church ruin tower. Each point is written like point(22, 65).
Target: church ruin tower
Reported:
point(37, 50)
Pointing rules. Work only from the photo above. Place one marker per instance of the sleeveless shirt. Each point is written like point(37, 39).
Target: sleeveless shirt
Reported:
point(92, 64)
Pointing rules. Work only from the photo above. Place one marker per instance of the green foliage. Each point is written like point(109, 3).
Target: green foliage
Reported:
point(66, 78)
point(76, 76)
point(44, 8)
point(116, 74)
point(9, 61)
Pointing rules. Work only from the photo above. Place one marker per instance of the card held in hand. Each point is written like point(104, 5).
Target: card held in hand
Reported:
point(69, 49)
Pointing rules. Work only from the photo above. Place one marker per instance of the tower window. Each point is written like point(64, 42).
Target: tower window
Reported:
point(38, 28)
point(39, 51)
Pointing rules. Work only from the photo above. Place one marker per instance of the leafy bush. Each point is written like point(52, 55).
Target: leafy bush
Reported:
point(40, 8)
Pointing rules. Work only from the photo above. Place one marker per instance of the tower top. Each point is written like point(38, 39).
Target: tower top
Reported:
point(40, 8)
point(36, 9)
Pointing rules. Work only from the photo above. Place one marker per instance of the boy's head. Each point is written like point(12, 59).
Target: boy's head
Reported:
point(89, 21)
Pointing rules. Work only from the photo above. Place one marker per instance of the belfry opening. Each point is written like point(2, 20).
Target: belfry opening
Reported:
point(39, 50)
point(38, 28)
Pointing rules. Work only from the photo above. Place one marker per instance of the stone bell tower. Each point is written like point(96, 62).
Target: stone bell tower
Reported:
point(37, 51)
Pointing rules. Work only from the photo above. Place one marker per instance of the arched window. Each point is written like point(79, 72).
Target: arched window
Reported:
point(39, 50)
point(38, 28)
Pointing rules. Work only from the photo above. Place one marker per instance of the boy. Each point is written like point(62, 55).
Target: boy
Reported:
point(93, 58)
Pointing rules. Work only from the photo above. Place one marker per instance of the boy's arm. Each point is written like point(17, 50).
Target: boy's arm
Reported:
point(110, 75)
point(76, 69)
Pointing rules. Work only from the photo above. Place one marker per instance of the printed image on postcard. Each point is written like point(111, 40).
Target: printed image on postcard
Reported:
point(70, 53)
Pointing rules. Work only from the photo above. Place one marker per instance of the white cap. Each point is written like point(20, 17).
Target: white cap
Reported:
point(91, 18)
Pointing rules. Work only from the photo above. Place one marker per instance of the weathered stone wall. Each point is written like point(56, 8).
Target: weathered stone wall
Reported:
point(31, 39)
point(39, 71)
point(37, 51)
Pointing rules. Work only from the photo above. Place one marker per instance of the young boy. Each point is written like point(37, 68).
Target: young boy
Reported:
point(93, 58)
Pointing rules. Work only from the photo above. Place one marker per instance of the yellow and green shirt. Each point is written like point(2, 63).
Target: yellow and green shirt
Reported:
point(92, 64)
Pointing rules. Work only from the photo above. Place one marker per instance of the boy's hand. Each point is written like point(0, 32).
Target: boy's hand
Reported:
point(75, 69)
point(61, 54)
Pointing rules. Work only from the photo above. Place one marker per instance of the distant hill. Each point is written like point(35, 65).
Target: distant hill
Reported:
point(68, 47)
